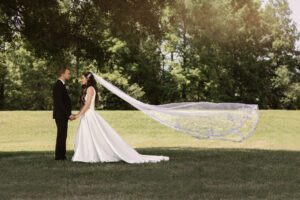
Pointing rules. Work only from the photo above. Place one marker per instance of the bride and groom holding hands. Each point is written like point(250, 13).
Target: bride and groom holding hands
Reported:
point(95, 140)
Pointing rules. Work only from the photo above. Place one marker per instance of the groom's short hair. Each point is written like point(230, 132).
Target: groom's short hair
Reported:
point(62, 70)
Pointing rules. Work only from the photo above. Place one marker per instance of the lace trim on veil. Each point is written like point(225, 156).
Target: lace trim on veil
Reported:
point(204, 120)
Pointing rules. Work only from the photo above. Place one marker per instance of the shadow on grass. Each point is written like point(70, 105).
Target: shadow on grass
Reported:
point(191, 173)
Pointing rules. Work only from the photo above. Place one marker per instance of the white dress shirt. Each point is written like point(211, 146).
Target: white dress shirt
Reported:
point(62, 81)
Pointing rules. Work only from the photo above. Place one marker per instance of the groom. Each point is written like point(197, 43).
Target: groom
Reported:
point(61, 112)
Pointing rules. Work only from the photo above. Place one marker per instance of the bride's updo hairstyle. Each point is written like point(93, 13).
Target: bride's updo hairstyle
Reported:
point(90, 82)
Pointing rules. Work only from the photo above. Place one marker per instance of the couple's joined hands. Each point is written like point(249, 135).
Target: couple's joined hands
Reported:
point(73, 117)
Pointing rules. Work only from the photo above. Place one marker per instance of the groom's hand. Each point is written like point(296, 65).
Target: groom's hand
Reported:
point(71, 117)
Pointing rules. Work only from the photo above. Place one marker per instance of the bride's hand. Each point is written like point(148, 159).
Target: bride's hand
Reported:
point(76, 116)
point(73, 117)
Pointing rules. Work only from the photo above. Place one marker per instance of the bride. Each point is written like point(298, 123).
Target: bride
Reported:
point(96, 140)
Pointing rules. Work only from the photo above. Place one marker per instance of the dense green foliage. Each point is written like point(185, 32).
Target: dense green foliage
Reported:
point(159, 51)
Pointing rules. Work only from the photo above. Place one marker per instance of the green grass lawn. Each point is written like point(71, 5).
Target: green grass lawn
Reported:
point(266, 166)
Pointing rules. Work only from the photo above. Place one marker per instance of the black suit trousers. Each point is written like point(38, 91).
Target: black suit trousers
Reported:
point(62, 129)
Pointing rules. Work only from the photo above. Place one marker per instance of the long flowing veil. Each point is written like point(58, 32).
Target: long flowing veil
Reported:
point(203, 120)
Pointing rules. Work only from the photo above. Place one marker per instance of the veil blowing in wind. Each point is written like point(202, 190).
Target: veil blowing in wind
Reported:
point(204, 120)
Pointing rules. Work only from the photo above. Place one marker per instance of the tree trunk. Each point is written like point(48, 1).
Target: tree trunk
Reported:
point(1, 95)
point(3, 73)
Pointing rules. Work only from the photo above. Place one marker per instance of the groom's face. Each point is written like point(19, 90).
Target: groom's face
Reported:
point(67, 74)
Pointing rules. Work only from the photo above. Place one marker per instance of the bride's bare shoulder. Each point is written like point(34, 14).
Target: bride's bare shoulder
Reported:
point(90, 90)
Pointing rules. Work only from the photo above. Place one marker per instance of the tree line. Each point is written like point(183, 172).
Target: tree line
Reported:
point(158, 51)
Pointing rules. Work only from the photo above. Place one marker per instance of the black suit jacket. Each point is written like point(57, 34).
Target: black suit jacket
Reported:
point(61, 101)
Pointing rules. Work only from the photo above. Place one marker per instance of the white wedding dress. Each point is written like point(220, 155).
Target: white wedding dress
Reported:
point(97, 141)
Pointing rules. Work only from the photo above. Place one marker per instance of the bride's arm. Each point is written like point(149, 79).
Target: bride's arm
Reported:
point(87, 104)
